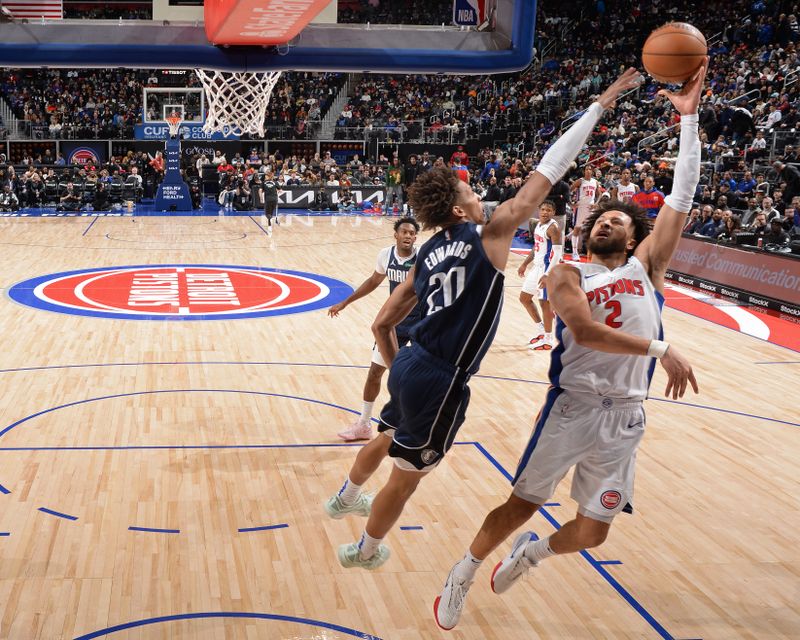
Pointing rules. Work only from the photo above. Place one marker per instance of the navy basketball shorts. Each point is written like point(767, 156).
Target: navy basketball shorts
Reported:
point(428, 401)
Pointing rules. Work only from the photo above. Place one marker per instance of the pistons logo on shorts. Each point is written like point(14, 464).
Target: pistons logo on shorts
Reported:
point(428, 456)
point(610, 499)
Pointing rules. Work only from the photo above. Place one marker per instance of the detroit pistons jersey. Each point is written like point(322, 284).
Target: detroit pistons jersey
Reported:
point(587, 193)
point(396, 269)
point(624, 299)
point(542, 244)
point(460, 295)
point(625, 191)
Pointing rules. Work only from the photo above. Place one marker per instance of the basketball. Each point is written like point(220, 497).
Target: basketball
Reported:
point(673, 53)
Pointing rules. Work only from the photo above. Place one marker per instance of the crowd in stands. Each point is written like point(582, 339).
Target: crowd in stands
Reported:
point(107, 103)
point(753, 94)
point(431, 12)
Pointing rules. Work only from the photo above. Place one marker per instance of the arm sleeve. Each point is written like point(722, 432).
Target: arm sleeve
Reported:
point(558, 158)
point(687, 169)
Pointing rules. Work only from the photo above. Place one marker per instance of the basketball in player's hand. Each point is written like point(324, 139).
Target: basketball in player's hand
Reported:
point(674, 52)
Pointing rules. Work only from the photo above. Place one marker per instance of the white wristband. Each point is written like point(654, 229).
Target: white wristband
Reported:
point(657, 349)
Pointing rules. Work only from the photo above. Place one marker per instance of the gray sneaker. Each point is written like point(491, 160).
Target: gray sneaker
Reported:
point(448, 606)
point(515, 565)
point(350, 556)
point(337, 509)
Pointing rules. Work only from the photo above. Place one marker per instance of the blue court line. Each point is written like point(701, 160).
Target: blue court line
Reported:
point(604, 562)
point(180, 447)
point(597, 565)
point(192, 363)
point(356, 366)
point(145, 393)
point(416, 528)
point(58, 514)
point(4, 534)
point(259, 225)
point(90, 226)
point(152, 530)
point(551, 504)
point(3, 490)
point(227, 614)
point(268, 527)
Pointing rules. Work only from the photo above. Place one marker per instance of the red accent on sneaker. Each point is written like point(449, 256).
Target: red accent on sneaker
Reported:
point(436, 614)
point(543, 347)
point(497, 566)
point(536, 338)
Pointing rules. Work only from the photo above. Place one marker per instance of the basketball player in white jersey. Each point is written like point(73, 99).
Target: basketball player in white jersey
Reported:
point(545, 254)
point(393, 262)
point(587, 188)
point(609, 326)
point(624, 189)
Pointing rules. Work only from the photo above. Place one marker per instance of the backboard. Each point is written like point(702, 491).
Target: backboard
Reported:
point(320, 46)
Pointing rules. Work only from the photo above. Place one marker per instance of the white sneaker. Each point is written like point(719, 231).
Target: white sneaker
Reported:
point(356, 431)
point(350, 556)
point(538, 333)
point(515, 565)
point(448, 606)
point(337, 509)
point(543, 344)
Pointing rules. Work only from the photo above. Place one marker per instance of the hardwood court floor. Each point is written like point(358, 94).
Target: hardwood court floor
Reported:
point(233, 438)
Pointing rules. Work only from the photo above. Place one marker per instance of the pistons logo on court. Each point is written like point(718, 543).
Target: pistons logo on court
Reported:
point(180, 292)
point(610, 499)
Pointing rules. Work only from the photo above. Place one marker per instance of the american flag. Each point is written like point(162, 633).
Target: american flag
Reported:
point(35, 9)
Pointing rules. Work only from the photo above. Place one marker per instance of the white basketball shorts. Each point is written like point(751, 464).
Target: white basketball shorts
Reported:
point(584, 210)
point(595, 434)
point(531, 284)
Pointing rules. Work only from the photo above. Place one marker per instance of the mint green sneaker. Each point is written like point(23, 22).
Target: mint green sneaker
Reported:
point(337, 509)
point(350, 556)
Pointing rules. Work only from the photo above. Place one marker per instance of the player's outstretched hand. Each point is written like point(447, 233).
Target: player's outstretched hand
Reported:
point(628, 80)
point(679, 374)
point(687, 99)
point(335, 309)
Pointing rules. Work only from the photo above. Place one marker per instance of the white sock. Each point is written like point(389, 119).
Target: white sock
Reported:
point(539, 550)
point(368, 545)
point(548, 335)
point(467, 566)
point(366, 412)
point(349, 492)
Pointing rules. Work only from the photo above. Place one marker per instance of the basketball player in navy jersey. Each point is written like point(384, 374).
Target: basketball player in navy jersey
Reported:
point(609, 328)
point(393, 263)
point(458, 282)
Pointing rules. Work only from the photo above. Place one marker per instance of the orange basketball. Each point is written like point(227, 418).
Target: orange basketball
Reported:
point(673, 53)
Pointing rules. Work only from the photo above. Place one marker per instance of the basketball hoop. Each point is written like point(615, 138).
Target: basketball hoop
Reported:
point(174, 122)
point(236, 102)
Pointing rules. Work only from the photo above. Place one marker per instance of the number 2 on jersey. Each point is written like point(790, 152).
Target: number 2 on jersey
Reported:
point(443, 282)
point(616, 310)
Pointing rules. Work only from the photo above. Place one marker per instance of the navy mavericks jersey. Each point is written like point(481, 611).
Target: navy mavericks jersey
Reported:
point(460, 295)
point(396, 269)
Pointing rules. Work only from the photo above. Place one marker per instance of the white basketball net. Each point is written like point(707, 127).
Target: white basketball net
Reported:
point(236, 102)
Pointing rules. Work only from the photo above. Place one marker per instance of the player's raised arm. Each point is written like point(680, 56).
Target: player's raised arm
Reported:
point(392, 313)
point(570, 304)
point(509, 215)
point(656, 251)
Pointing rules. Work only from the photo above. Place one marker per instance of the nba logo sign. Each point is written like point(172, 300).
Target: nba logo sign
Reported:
point(180, 292)
point(469, 13)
